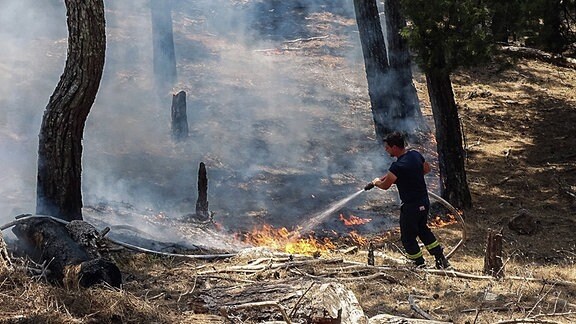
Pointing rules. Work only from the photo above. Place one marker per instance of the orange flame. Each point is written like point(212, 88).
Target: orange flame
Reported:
point(289, 241)
point(354, 220)
point(439, 222)
point(358, 239)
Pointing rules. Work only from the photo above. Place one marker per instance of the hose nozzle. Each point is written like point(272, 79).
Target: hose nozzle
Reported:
point(369, 186)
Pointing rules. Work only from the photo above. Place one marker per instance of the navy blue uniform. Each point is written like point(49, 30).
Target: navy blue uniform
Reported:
point(409, 171)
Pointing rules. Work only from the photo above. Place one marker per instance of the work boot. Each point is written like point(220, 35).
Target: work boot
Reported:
point(419, 263)
point(442, 262)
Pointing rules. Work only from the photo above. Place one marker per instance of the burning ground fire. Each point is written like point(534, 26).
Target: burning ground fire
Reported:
point(294, 242)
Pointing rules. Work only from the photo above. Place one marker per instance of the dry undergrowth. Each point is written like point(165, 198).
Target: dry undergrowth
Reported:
point(518, 119)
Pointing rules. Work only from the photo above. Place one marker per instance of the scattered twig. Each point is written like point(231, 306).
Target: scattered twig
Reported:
point(417, 308)
point(539, 300)
point(387, 318)
point(224, 310)
point(295, 308)
point(527, 320)
point(305, 39)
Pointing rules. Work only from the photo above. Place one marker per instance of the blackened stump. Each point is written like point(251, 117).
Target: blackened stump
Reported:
point(49, 242)
point(179, 117)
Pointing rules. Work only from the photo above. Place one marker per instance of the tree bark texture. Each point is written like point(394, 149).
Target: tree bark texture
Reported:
point(179, 117)
point(400, 64)
point(51, 243)
point(386, 108)
point(493, 264)
point(164, 57)
point(202, 202)
point(60, 140)
point(453, 183)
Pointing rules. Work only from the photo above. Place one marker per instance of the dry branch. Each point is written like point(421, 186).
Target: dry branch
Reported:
point(389, 319)
point(532, 53)
point(305, 39)
point(224, 310)
point(417, 308)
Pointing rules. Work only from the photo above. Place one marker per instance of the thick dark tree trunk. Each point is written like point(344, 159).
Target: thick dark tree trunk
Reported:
point(386, 108)
point(551, 35)
point(60, 141)
point(453, 184)
point(179, 117)
point(400, 66)
point(163, 45)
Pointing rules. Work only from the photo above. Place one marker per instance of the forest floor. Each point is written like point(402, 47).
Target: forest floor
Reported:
point(518, 118)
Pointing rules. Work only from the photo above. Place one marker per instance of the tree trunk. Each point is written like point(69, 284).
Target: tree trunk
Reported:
point(60, 140)
point(386, 109)
point(550, 34)
point(400, 66)
point(179, 117)
point(164, 59)
point(453, 184)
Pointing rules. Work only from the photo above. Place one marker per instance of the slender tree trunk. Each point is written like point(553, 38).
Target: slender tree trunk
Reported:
point(60, 140)
point(385, 108)
point(453, 184)
point(400, 66)
point(163, 45)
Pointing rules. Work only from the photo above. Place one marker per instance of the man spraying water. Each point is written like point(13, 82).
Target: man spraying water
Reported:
point(407, 172)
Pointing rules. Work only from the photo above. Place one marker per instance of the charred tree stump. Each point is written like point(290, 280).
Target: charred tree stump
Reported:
point(202, 202)
point(493, 264)
point(371, 254)
point(179, 117)
point(68, 262)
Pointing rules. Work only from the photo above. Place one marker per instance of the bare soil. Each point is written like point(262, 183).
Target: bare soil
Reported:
point(518, 117)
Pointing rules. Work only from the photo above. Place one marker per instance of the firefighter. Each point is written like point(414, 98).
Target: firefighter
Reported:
point(407, 172)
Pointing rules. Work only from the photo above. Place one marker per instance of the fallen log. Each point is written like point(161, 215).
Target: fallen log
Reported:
point(47, 241)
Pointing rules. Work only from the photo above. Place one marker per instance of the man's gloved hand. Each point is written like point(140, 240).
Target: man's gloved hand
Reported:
point(369, 186)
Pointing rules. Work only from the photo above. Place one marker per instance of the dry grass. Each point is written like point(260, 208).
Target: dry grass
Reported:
point(518, 119)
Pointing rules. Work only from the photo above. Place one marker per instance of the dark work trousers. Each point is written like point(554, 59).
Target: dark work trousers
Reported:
point(413, 219)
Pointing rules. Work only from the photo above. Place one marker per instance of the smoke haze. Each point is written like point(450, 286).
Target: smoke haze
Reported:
point(283, 127)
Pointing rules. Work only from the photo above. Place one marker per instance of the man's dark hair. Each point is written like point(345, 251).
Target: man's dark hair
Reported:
point(395, 138)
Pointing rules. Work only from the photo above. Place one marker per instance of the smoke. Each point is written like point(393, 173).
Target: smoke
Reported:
point(284, 127)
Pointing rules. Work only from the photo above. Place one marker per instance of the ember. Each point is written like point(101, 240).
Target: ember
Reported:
point(354, 220)
point(289, 241)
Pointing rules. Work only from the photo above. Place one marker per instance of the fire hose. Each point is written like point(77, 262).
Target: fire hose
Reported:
point(458, 218)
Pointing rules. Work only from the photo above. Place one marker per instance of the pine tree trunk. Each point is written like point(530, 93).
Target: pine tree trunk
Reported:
point(60, 140)
point(453, 184)
point(400, 66)
point(385, 108)
point(550, 35)
point(164, 59)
